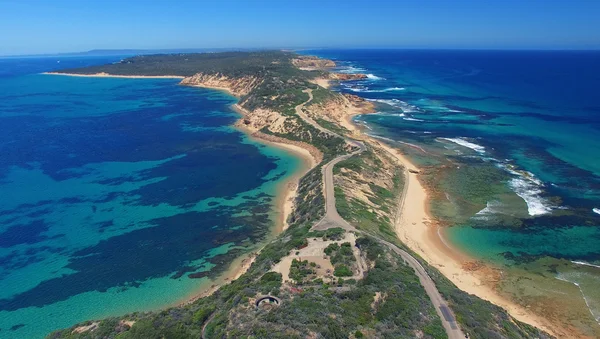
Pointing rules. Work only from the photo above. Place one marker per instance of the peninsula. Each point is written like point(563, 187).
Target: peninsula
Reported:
point(345, 264)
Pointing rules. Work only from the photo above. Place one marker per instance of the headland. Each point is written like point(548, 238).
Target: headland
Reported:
point(377, 191)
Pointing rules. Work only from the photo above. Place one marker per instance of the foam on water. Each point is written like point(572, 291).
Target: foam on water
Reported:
point(366, 125)
point(530, 192)
point(412, 119)
point(462, 142)
point(351, 70)
point(583, 263)
point(595, 314)
point(374, 77)
point(404, 106)
point(529, 188)
point(388, 114)
point(413, 146)
point(490, 209)
point(380, 137)
point(367, 90)
point(525, 184)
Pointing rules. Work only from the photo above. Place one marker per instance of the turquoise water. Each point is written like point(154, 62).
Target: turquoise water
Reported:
point(514, 137)
point(120, 195)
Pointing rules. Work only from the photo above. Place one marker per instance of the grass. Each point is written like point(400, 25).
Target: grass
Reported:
point(316, 309)
point(359, 213)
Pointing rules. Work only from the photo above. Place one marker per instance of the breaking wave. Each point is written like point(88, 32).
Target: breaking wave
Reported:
point(492, 207)
point(380, 137)
point(374, 77)
point(367, 90)
point(531, 194)
point(524, 184)
point(529, 188)
point(589, 303)
point(467, 144)
point(411, 119)
point(583, 263)
point(351, 70)
point(404, 106)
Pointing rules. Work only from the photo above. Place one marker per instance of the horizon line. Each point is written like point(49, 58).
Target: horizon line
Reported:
point(225, 49)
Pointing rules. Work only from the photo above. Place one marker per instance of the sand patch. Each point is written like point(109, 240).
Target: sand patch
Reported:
point(91, 327)
point(315, 252)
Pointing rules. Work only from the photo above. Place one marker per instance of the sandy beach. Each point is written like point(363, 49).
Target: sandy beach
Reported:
point(414, 225)
point(106, 75)
point(325, 83)
point(286, 192)
point(417, 229)
point(284, 202)
point(284, 205)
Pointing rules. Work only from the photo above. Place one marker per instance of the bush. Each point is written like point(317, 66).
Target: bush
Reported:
point(334, 233)
point(342, 271)
point(332, 248)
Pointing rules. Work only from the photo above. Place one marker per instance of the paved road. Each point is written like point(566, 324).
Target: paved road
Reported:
point(308, 119)
point(441, 306)
point(333, 219)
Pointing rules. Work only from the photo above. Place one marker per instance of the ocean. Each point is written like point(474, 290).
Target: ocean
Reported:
point(509, 145)
point(120, 195)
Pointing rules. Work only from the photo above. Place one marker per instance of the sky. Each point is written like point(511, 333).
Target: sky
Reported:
point(57, 26)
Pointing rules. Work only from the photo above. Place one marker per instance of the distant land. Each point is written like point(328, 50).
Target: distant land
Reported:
point(131, 52)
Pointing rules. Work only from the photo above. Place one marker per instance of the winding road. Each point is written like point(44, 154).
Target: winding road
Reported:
point(332, 219)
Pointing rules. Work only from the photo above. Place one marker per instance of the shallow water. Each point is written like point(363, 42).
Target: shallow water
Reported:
point(116, 190)
point(511, 139)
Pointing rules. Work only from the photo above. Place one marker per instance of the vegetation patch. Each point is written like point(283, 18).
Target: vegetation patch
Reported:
point(301, 270)
point(314, 309)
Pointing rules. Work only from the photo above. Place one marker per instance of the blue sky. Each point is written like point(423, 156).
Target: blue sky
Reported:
point(49, 26)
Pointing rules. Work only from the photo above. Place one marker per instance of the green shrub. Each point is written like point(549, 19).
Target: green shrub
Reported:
point(342, 271)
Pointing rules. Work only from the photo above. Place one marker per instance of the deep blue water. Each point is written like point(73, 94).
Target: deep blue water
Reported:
point(114, 191)
point(520, 134)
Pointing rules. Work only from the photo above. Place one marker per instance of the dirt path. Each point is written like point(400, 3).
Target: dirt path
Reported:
point(333, 219)
point(308, 119)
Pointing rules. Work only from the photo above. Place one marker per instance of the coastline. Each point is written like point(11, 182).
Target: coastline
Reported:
point(106, 75)
point(415, 226)
point(286, 191)
point(418, 230)
point(283, 207)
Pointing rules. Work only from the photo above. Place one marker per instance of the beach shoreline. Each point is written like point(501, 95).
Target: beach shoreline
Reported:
point(415, 226)
point(283, 206)
point(106, 75)
point(418, 230)
point(284, 199)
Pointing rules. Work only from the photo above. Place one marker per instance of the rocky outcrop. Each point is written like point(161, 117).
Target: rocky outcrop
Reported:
point(254, 121)
point(257, 119)
point(357, 101)
point(237, 86)
point(347, 76)
point(311, 62)
point(340, 107)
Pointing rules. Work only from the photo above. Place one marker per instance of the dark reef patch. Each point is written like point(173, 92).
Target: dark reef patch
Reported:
point(24, 234)
point(146, 253)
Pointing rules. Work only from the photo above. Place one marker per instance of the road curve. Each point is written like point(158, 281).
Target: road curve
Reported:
point(333, 219)
point(441, 306)
point(308, 119)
